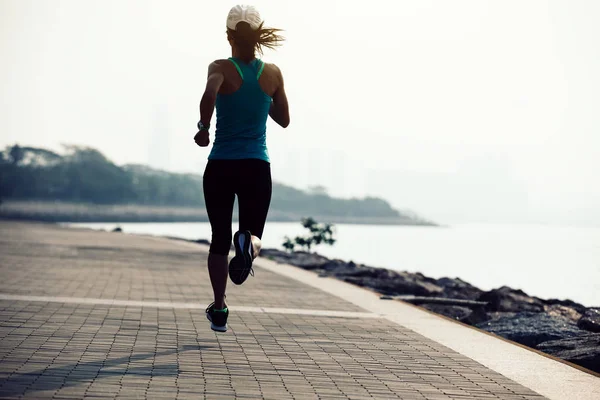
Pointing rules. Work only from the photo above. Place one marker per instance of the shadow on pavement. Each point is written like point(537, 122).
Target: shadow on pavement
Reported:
point(55, 378)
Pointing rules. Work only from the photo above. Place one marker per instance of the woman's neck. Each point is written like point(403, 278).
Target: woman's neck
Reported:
point(236, 53)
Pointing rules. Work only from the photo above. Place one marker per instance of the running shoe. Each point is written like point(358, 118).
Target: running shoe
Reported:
point(240, 265)
point(217, 318)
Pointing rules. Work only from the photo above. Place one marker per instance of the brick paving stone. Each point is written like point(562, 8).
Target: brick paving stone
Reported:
point(73, 350)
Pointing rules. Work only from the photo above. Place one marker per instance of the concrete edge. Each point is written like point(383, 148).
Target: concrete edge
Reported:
point(532, 369)
point(541, 353)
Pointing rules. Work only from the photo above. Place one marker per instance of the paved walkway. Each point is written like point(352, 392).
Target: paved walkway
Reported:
point(108, 315)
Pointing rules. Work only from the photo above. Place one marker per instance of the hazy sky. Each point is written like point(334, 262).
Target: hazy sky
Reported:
point(459, 110)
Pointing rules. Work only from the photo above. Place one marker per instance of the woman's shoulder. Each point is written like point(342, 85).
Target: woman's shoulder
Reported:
point(223, 66)
point(220, 62)
point(271, 66)
point(272, 69)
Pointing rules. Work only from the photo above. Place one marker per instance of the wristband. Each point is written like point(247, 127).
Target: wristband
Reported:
point(202, 127)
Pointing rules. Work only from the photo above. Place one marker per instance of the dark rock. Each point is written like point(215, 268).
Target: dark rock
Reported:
point(384, 281)
point(506, 299)
point(582, 350)
point(390, 282)
point(563, 311)
point(479, 315)
point(118, 229)
point(338, 267)
point(300, 259)
point(202, 241)
point(580, 308)
point(454, 312)
point(418, 277)
point(531, 328)
point(590, 320)
point(369, 272)
point(458, 289)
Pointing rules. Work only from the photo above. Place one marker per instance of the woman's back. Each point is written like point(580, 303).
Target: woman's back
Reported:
point(269, 79)
point(243, 105)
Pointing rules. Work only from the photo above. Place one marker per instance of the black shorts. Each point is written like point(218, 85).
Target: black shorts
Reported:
point(250, 180)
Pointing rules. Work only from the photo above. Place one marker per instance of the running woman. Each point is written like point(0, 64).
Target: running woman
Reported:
point(245, 91)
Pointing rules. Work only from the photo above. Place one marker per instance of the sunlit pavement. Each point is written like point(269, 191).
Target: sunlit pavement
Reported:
point(110, 315)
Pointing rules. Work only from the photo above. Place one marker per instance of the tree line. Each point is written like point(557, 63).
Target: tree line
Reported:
point(84, 175)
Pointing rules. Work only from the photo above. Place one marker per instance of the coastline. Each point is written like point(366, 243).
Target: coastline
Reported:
point(59, 212)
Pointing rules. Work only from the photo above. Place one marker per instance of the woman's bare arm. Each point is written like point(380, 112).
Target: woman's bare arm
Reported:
point(279, 107)
point(207, 103)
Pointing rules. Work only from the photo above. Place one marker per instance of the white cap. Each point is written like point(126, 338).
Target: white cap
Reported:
point(243, 13)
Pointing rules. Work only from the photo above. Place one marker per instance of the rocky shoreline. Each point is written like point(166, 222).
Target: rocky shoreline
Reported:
point(562, 328)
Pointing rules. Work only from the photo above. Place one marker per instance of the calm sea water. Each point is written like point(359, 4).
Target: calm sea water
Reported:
point(545, 261)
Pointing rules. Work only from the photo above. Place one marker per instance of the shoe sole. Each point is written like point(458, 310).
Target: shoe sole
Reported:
point(241, 264)
point(218, 328)
point(214, 327)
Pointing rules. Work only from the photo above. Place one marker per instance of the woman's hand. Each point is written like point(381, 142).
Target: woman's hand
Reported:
point(202, 138)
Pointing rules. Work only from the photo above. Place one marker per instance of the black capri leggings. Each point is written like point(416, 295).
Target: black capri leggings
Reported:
point(250, 180)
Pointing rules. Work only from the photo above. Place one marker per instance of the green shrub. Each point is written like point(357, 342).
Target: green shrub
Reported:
point(318, 234)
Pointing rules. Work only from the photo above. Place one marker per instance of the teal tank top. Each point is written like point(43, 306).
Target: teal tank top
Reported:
point(242, 117)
